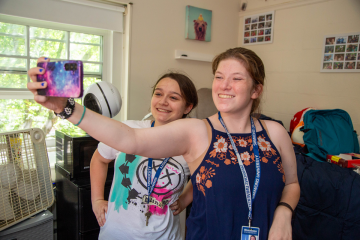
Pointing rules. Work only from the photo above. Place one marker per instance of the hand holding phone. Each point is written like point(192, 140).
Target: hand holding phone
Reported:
point(64, 79)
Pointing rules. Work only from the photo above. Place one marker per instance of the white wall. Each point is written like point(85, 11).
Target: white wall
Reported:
point(293, 60)
point(158, 28)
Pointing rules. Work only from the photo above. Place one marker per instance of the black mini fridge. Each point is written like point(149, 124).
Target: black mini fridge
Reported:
point(75, 218)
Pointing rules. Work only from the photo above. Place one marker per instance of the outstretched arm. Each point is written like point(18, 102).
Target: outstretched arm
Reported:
point(175, 139)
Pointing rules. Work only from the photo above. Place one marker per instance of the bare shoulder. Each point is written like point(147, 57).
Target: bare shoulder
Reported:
point(189, 125)
point(196, 128)
point(197, 136)
point(192, 121)
point(275, 129)
point(191, 129)
point(278, 134)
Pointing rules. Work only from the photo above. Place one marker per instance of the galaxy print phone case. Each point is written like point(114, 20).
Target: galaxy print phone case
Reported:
point(64, 79)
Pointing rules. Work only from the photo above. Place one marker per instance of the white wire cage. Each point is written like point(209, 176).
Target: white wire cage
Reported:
point(25, 178)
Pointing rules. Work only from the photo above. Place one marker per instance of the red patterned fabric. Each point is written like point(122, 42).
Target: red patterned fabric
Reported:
point(297, 118)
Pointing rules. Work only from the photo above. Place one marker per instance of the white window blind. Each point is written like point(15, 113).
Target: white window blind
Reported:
point(94, 14)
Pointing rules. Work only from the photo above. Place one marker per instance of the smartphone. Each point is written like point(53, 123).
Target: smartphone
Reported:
point(64, 79)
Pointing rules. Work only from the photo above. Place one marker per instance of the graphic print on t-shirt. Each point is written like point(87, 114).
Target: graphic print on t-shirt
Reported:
point(130, 183)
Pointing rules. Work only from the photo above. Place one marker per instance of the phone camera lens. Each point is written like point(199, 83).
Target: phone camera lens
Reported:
point(75, 66)
point(66, 66)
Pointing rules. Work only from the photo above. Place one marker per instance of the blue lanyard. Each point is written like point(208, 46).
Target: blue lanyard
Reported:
point(242, 168)
point(151, 184)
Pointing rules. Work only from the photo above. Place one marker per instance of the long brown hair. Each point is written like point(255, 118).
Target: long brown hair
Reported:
point(251, 62)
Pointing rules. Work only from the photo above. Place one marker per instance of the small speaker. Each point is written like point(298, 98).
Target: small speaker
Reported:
point(103, 98)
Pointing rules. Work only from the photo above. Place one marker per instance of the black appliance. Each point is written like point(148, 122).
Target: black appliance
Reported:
point(73, 153)
point(75, 218)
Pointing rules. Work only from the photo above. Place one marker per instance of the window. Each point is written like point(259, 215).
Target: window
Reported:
point(77, 35)
point(20, 47)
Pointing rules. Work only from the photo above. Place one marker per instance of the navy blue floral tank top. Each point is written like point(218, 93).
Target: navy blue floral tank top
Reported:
point(219, 207)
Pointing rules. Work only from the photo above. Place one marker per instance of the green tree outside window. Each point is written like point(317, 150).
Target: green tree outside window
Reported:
point(15, 61)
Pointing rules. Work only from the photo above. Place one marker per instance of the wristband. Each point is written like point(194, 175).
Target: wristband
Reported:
point(82, 116)
point(68, 110)
point(288, 206)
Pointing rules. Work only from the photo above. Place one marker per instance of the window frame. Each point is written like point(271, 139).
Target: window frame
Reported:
point(11, 93)
point(107, 59)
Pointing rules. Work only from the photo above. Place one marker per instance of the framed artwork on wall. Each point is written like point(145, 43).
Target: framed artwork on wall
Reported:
point(198, 24)
point(341, 53)
point(258, 29)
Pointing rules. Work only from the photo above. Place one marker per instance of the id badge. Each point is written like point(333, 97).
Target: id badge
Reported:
point(250, 233)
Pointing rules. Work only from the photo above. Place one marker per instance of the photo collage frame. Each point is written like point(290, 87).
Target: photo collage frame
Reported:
point(259, 29)
point(341, 53)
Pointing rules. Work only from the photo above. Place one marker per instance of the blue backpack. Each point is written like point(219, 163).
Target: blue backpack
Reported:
point(329, 132)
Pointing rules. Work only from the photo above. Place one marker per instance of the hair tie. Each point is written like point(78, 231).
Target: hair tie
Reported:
point(288, 206)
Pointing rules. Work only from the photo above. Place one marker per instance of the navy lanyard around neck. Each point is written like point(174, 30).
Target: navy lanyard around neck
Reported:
point(151, 184)
point(242, 168)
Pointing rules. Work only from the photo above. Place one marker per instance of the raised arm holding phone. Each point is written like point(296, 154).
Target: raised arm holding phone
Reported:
point(240, 168)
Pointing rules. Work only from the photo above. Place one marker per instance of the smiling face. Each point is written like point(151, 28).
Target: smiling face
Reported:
point(233, 88)
point(167, 103)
